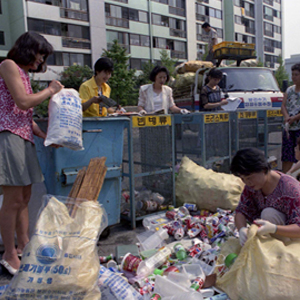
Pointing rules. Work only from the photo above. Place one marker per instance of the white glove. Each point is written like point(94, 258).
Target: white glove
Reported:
point(265, 227)
point(184, 111)
point(142, 112)
point(243, 232)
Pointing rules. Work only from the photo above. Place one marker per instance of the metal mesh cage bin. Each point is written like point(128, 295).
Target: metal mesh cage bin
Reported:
point(205, 138)
point(148, 164)
point(101, 137)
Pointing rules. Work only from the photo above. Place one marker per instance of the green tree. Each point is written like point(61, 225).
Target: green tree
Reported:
point(280, 73)
point(40, 110)
point(167, 61)
point(143, 77)
point(123, 80)
point(75, 75)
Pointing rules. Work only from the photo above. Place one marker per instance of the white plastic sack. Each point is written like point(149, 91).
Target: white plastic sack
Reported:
point(60, 261)
point(115, 287)
point(65, 120)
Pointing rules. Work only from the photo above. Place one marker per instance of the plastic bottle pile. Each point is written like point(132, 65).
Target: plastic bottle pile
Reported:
point(179, 269)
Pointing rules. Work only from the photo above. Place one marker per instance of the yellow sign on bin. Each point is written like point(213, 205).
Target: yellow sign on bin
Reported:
point(151, 121)
point(247, 115)
point(216, 118)
point(274, 113)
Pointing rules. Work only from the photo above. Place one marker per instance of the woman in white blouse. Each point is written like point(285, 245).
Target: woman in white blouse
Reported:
point(157, 96)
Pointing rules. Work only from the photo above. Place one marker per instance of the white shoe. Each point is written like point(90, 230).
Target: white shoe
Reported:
point(8, 267)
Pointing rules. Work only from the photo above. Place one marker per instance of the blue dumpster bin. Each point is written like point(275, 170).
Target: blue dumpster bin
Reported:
point(101, 137)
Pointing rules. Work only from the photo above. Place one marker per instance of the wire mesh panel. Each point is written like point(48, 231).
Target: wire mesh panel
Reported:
point(149, 163)
point(248, 134)
point(217, 136)
point(274, 119)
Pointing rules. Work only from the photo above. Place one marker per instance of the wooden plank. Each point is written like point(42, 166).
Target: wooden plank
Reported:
point(93, 180)
point(75, 189)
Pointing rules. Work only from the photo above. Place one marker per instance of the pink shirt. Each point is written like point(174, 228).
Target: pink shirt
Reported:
point(12, 118)
point(285, 198)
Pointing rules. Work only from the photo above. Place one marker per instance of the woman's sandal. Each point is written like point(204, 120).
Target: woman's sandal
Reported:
point(8, 267)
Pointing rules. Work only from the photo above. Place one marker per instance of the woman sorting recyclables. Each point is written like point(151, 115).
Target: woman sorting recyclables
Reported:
point(18, 160)
point(92, 90)
point(157, 96)
point(290, 108)
point(270, 199)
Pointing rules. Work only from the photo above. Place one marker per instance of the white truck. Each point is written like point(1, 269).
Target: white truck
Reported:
point(255, 86)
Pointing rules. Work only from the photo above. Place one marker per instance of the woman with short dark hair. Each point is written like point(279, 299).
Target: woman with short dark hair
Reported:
point(91, 90)
point(157, 96)
point(18, 160)
point(270, 199)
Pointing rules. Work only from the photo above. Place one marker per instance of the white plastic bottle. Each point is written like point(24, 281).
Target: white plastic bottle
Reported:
point(147, 266)
point(155, 239)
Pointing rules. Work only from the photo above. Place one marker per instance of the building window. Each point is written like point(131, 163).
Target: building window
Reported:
point(0, 7)
point(145, 40)
point(121, 37)
point(177, 7)
point(68, 59)
point(160, 20)
point(270, 60)
point(134, 39)
point(268, 13)
point(2, 39)
point(243, 38)
point(270, 2)
point(238, 20)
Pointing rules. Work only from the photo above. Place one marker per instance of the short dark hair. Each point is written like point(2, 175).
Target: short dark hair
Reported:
point(157, 70)
point(205, 25)
point(26, 48)
point(296, 67)
point(215, 73)
point(248, 161)
point(103, 64)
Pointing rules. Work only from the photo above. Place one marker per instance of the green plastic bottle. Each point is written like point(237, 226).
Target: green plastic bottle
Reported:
point(180, 251)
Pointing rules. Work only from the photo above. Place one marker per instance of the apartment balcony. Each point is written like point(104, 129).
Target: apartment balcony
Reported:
point(202, 18)
point(269, 33)
point(177, 11)
point(269, 49)
point(72, 42)
point(74, 14)
point(270, 2)
point(178, 54)
point(178, 33)
point(250, 30)
point(127, 47)
point(200, 37)
point(117, 22)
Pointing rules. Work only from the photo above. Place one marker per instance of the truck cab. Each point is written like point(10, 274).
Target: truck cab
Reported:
point(256, 87)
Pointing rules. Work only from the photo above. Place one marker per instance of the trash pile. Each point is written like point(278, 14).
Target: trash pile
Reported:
point(146, 201)
point(178, 257)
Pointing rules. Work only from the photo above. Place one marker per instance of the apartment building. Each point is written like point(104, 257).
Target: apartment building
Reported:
point(79, 30)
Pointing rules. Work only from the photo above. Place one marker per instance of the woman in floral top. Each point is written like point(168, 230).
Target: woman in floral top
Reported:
point(270, 199)
point(291, 113)
point(19, 167)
